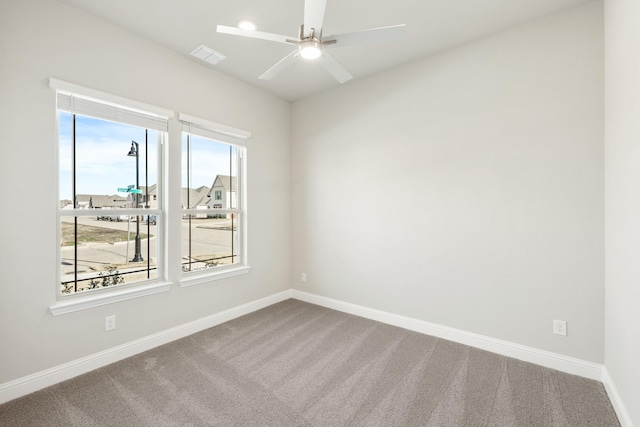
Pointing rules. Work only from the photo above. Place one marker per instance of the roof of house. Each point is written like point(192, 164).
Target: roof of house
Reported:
point(113, 201)
point(83, 198)
point(152, 189)
point(196, 198)
point(229, 183)
point(101, 201)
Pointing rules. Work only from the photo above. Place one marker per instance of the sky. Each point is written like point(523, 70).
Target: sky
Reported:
point(102, 164)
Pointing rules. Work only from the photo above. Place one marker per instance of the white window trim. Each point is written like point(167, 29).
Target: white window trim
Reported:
point(207, 276)
point(105, 296)
point(239, 138)
point(62, 86)
point(82, 302)
point(89, 299)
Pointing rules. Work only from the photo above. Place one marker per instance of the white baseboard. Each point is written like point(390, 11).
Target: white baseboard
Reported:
point(39, 380)
point(616, 401)
point(547, 359)
point(528, 354)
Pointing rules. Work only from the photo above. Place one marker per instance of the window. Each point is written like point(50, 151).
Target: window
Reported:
point(110, 172)
point(213, 179)
point(112, 209)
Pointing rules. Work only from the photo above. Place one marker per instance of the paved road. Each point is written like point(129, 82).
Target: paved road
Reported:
point(208, 236)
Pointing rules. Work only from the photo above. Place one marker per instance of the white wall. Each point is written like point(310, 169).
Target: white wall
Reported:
point(44, 38)
point(622, 197)
point(465, 189)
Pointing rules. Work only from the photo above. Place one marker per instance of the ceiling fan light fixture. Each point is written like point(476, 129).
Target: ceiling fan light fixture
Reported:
point(247, 25)
point(310, 49)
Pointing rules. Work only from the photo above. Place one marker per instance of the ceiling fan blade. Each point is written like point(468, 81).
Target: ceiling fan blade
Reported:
point(253, 34)
point(335, 68)
point(280, 66)
point(365, 37)
point(313, 15)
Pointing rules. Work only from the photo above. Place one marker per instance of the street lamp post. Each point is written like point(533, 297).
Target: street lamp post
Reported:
point(135, 152)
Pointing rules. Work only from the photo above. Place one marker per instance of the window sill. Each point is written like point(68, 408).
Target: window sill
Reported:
point(83, 303)
point(217, 275)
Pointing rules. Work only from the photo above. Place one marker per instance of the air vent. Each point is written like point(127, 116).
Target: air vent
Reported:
point(208, 55)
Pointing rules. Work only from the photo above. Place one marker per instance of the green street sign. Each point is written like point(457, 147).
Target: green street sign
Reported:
point(129, 190)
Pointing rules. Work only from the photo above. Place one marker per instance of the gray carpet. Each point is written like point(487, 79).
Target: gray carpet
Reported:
point(297, 364)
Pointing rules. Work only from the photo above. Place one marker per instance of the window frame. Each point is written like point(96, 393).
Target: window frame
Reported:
point(238, 138)
point(108, 107)
point(168, 210)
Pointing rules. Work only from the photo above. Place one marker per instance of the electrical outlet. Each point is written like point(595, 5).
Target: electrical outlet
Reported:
point(560, 327)
point(304, 277)
point(110, 322)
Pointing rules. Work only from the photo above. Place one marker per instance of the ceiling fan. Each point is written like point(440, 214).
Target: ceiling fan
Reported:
point(311, 44)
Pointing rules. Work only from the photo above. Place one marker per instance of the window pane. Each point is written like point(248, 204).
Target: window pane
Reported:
point(209, 240)
point(99, 251)
point(210, 182)
point(109, 167)
point(66, 160)
point(232, 197)
point(209, 173)
point(104, 167)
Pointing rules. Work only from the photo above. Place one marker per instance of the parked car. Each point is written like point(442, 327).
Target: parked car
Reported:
point(119, 218)
point(151, 219)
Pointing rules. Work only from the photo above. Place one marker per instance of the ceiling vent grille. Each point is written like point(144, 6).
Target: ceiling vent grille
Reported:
point(208, 55)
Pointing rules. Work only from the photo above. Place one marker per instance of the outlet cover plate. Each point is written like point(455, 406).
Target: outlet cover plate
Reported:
point(560, 327)
point(110, 323)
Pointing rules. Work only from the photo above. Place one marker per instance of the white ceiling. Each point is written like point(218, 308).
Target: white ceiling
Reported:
point(432, 25)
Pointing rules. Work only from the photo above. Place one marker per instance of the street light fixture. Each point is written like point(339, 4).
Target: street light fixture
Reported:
point(134, 152)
